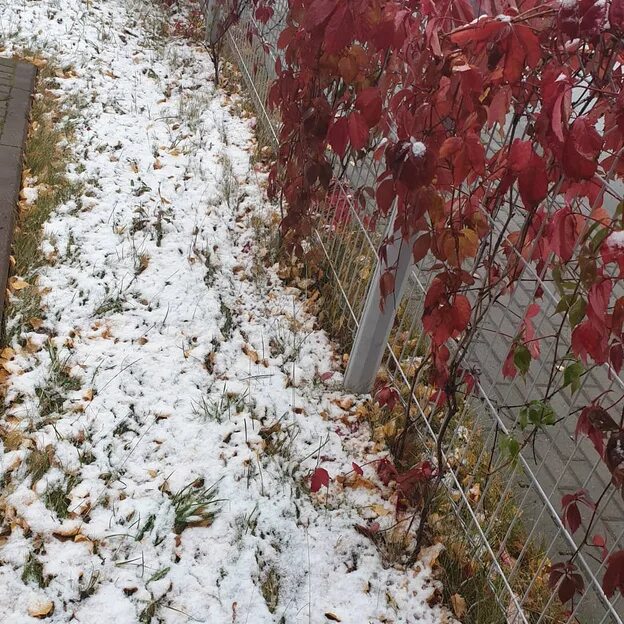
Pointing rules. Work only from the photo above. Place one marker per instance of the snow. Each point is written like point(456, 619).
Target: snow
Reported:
point(418, 148)
point(615, 240)
point(153, 277)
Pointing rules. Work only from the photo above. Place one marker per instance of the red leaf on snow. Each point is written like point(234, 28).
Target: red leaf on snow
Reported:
point(614, 576)
point(357, 469)
point(358, 130)
point(338, 136)
point(319, 478)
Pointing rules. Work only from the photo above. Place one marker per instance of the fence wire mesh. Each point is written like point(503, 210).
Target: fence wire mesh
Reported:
point(509, 523)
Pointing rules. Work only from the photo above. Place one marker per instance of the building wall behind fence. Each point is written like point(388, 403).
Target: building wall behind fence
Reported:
point(514, 552)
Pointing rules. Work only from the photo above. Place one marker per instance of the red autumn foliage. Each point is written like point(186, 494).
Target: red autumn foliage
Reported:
point(420, 86)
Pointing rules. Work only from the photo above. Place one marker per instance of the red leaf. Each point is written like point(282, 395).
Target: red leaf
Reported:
point(317, 12)
point(571, 513)
point(338, 136)
point(581, 150)
point(386, 284)
point(339, 31)
point(386, 471)
point(585, 426)
point(588, 342)
point(368, 102)
point(614, 457)
point(520, 155)
point(421, 247)
point(320, 478)
point(385, 195)
point(582, 18)
point(358, 130)
point(568, 580)
point(509, 368)
point(462, 312)
point(572, 517)
point(357, 468)
point(614, 576)
point(599, 542)
point(565, 231)
point(387, 397)
point(616, 14)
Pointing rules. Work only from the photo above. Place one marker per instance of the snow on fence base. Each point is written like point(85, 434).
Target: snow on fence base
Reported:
point(515, 567)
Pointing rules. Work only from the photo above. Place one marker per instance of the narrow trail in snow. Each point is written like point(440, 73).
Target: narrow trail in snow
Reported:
point(173, 398)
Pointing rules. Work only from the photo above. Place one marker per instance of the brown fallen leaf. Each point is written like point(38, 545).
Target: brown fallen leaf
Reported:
point(88, 395)
point(35, 323)
point(332, 617)
point(251, 354)
point(459, 605)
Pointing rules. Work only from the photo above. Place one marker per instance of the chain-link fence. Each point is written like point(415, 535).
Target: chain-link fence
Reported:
point(507, 514)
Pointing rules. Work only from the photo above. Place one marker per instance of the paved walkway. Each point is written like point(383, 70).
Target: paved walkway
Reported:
point(16, 86)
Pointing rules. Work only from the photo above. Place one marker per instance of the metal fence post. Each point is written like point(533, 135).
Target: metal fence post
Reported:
point(376, 323)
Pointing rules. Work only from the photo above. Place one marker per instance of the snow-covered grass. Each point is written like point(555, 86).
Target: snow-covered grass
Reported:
point(161, 424)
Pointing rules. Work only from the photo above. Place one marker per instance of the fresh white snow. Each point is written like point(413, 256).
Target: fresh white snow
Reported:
point(153, 302)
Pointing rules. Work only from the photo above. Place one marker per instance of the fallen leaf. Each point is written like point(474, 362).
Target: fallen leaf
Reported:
point(333, 617)
point(251, 354)
point(41, 608)
point(380, 510)
point(7, 353)
point(459, 605)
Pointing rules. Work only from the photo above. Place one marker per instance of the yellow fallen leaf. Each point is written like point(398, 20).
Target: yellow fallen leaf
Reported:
point(7, 353)
point(15, 283)
point(88, 395)
point(41, 608)
point(380, 510)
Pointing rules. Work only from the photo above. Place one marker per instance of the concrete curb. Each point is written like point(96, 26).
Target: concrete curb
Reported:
point(17, 81)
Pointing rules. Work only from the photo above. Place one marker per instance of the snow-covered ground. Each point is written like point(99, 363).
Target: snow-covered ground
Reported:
point(169, 364)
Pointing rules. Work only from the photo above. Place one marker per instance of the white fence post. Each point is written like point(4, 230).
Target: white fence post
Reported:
point(375, 324)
